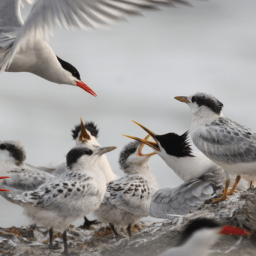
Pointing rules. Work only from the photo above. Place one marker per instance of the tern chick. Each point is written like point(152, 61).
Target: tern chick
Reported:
point(128, 199)
point(22, 177)
point(86, 134)
point(75, 193)
point(199, 235)
point(227, 143)
point(202, 178)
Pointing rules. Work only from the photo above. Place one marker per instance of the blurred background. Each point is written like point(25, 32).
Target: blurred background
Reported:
point(136, 68)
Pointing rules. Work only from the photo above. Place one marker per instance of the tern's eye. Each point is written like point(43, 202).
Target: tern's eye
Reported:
point(2, 146)
point(193, 99)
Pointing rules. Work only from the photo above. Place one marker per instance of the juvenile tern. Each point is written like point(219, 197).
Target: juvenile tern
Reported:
point(21, 177)
point(75, 193)
point(86, 134)
point(128, 199)
point(227, 143)
point(199, 235)
point(22, 44)
point(202, 177)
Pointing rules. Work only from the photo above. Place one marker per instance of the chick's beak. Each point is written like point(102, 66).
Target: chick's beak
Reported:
point(84, 136)
point(182, 99)
point(86, 88)
point(105, 150)
point(139, 152)
point(151, 144)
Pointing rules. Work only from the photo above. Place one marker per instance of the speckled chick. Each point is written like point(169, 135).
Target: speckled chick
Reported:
point(128, 199)
point(75, 193)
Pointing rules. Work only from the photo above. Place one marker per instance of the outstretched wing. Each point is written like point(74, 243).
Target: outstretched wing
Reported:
point(131, 194)
point(74, 14)
point(181, 200)
point(226, 141)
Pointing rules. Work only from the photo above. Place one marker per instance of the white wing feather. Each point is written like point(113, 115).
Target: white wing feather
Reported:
point(72, 14)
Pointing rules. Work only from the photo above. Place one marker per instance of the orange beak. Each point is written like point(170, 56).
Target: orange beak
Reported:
point(86, 88)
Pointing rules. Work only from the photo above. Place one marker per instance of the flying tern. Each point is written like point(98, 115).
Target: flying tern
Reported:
point(22, 44)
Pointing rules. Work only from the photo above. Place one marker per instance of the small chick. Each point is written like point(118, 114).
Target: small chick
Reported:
point(78, 191)
point(21, 176)
point(128, 199)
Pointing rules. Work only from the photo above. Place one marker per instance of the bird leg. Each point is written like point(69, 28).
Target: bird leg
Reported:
point(251, 184)
point(64, 237)
point(51, 246)
point(114, 230)
point(88, 223)
point(129, 230)
point(233, 190)
point(224, 195)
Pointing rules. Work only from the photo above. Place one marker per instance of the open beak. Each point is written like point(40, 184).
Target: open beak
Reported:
point(182, 99)
point(86, 88)
point(151, 144)
point(104, 150)
point(4, 177)
point(84, 136)
point(236, 231)
point(139, 152)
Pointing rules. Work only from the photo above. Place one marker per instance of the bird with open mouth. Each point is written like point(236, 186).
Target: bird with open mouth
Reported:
point(202, 177)
point(227, 143)
point(128, 199)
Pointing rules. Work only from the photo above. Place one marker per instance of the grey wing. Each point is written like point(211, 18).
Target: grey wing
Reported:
point(187, 197)
point(62, 195)
point(131, 194)
point(226, 141)
point(10, 14)
point(49, 169)
point(216, 176)
point(60, 169)
point(23, 179)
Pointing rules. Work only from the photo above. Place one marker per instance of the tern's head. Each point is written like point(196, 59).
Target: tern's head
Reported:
point(85, 133)
point(131, 157)
point(72, 76)
point(203, 232)
point(170, 144)
point(85, 156)
point(202, 103)
point(12, 152)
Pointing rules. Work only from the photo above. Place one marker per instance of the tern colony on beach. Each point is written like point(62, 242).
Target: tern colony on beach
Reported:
point(22, 44)
point(21, 176)
point(202, 177)
point(74, 194)
point(227, 143)
point(128, 199)
point(86, 134)
point(199, 235)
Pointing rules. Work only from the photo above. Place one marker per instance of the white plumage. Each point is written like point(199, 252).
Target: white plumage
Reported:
point(202, 177)
point(75, 193)
point(22, 44)
point(128, 199)
point(225, 142)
